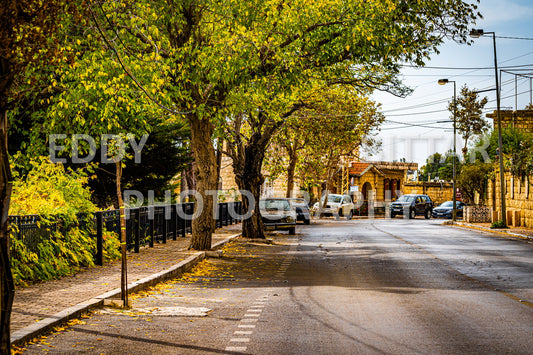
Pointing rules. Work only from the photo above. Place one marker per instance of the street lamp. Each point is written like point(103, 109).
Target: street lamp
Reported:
point(444, 82)
point(476, 34)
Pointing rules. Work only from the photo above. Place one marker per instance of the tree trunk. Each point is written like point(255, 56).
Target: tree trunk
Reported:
point(293, 159)
point(250, 179)
point(206, 180)
point(190, 178)
point(7, 288)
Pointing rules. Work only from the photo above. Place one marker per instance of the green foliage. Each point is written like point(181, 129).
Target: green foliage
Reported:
point(440, 166)
point(165, 153)
point(473, 178)
point(56, 249)
point(517, 150)
point(62, 241)
point(50, 190)
point(334, 124)
point(498, 224)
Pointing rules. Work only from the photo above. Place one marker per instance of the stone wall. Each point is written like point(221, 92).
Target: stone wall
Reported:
point(518, 191)
point(438, 191)
point(521, 119)
point(376, 178)
point(518, 200)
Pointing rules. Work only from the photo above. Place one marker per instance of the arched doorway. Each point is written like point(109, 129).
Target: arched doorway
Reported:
point(365, 192)
point(367, 187)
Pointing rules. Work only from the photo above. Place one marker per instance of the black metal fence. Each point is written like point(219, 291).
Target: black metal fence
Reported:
point(144, 225)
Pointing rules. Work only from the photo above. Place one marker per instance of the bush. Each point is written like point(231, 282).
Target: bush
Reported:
point(498, 224)
point(61, 241)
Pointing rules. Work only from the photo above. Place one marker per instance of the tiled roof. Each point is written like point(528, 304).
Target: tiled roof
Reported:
point(358, 168)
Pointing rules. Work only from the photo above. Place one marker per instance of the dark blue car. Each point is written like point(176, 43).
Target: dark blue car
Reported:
point(444, 210)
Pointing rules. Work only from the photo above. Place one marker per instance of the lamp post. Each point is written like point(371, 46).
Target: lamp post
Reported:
point(476, 34)
point(444, 82)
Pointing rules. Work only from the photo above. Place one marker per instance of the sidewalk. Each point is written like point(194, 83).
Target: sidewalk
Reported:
point(41, 306)
point(524, 233)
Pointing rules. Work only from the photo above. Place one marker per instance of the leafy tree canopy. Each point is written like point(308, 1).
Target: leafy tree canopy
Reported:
point(333, 125)
point(441, 166)
point(468, 110)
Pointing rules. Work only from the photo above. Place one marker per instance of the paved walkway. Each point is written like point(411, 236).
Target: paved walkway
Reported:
point(45, 299)
point(521, 232)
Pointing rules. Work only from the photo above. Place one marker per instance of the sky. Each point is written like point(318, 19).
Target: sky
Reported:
point(420, 124)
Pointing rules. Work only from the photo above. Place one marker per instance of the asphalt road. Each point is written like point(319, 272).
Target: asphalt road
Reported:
point(337, 287)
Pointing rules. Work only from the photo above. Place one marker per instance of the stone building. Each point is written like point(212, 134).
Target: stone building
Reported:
point(379, 181)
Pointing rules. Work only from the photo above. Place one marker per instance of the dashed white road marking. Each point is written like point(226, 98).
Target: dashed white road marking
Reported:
point(235, 348)
point(243, 332)
point(252, 314)
point(240, 340)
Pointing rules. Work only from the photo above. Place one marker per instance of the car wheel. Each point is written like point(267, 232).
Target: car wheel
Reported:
point(307, 221)
point(292, 231)
point(428, 214)
point(392, 215)
point(412, 214)
point(350, 215)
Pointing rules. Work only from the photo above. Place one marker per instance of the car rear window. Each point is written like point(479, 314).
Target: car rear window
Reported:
point(406, 198)
point(274, 205)
point(299, 201)
point(334, 198)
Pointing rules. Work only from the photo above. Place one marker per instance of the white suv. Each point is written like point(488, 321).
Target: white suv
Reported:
point(336, 205)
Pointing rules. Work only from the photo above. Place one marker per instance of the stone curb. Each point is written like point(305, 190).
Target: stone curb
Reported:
point(26, 334)
point(485, 229)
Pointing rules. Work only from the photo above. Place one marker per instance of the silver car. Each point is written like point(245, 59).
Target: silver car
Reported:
point(336, 205)
point(278, 213)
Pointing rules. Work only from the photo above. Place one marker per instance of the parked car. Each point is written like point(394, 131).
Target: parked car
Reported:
point(336, 205)
point(278, 213)
point(302, 210)
point(444, 210)
point(412, 204)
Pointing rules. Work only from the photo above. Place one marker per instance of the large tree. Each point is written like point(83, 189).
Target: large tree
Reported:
point(27, 38)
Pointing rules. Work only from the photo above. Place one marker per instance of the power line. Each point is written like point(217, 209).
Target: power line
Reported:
point(427, 104)
point(469, 68)
point(412, 125)
point(521, 38)
point(415, 113)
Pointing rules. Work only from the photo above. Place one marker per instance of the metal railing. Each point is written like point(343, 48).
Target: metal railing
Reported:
point(144, 225)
